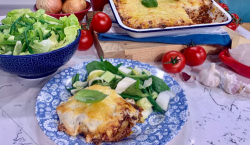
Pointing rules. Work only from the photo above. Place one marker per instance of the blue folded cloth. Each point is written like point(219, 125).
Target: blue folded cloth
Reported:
point(220, 38)
point(198, 39)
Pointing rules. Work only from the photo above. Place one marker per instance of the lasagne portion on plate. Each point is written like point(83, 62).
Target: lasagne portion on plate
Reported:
point(108, 120)
point(168, 13)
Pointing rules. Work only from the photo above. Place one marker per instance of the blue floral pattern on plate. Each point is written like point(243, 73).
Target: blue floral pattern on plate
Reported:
point(157, 128)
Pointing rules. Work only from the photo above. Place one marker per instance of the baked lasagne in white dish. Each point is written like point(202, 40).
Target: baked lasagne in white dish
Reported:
point(169, 17)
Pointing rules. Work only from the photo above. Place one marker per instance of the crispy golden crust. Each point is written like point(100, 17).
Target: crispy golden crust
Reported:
point(168, 13)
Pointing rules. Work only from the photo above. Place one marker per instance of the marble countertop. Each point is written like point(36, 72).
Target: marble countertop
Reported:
point(215, 117)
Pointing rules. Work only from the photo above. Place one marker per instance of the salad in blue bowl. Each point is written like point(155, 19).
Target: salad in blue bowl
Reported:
point(33, 44)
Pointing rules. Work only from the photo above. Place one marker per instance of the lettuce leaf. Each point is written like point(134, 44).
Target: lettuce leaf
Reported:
point(14, 14)
point(52, 44)
point(18, 12)
point(70, 33)
point(42, 26)
point(6, 31)
point(70, 21)
point(39, 25)
point(25, 53)
point(41, 47)
point(2, 37)
point(53, 38)
point(51, 19)
point(11, 38)
point(7, 21)
point(6, 48)
point(21, 30)
point(45, 45)
point(17, 48)
point(37, 14)
point(31, 34)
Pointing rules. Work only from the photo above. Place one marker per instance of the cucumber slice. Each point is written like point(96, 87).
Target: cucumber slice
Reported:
point(118, 77)
point(137, 71)
point(107, 76)
point(125, 70)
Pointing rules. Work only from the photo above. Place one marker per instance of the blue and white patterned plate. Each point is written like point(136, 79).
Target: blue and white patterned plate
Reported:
point(157, 128)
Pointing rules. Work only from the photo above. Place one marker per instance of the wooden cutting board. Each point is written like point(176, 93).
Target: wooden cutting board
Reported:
point(145, 52)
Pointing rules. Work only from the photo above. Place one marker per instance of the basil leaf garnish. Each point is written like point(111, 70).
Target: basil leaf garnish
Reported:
point(90, 96)
point(149, 3)
point(104, 65)
point(95, 65)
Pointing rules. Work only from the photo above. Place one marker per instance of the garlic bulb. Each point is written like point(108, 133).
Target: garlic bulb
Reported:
point(210, 77)
point(232, 85)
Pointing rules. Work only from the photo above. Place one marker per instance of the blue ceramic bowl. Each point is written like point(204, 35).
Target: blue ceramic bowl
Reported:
point(38, 65)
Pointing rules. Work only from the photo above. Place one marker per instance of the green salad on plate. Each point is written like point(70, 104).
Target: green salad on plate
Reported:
point(136, 85)
point(24, 32)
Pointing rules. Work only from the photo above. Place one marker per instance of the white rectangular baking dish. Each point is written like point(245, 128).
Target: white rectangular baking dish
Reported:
point(219, 15)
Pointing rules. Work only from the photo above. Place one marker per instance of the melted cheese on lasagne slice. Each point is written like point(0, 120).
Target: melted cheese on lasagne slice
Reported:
point(168, 13)
point(108, 120)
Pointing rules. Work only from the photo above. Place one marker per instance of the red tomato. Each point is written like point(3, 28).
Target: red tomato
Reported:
point(232, 26)
point(173, 62)
point(86, 40)
point(224, 6)
point(101, 22)
point(195, 55)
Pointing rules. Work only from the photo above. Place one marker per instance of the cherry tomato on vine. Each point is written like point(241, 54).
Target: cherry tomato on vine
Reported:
point(173, 62)
point(232, 26)
point(86, 40)
point(101, 22)
point(235, 15)
point(236, 19)
point(224, 6)
point(235, 23)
